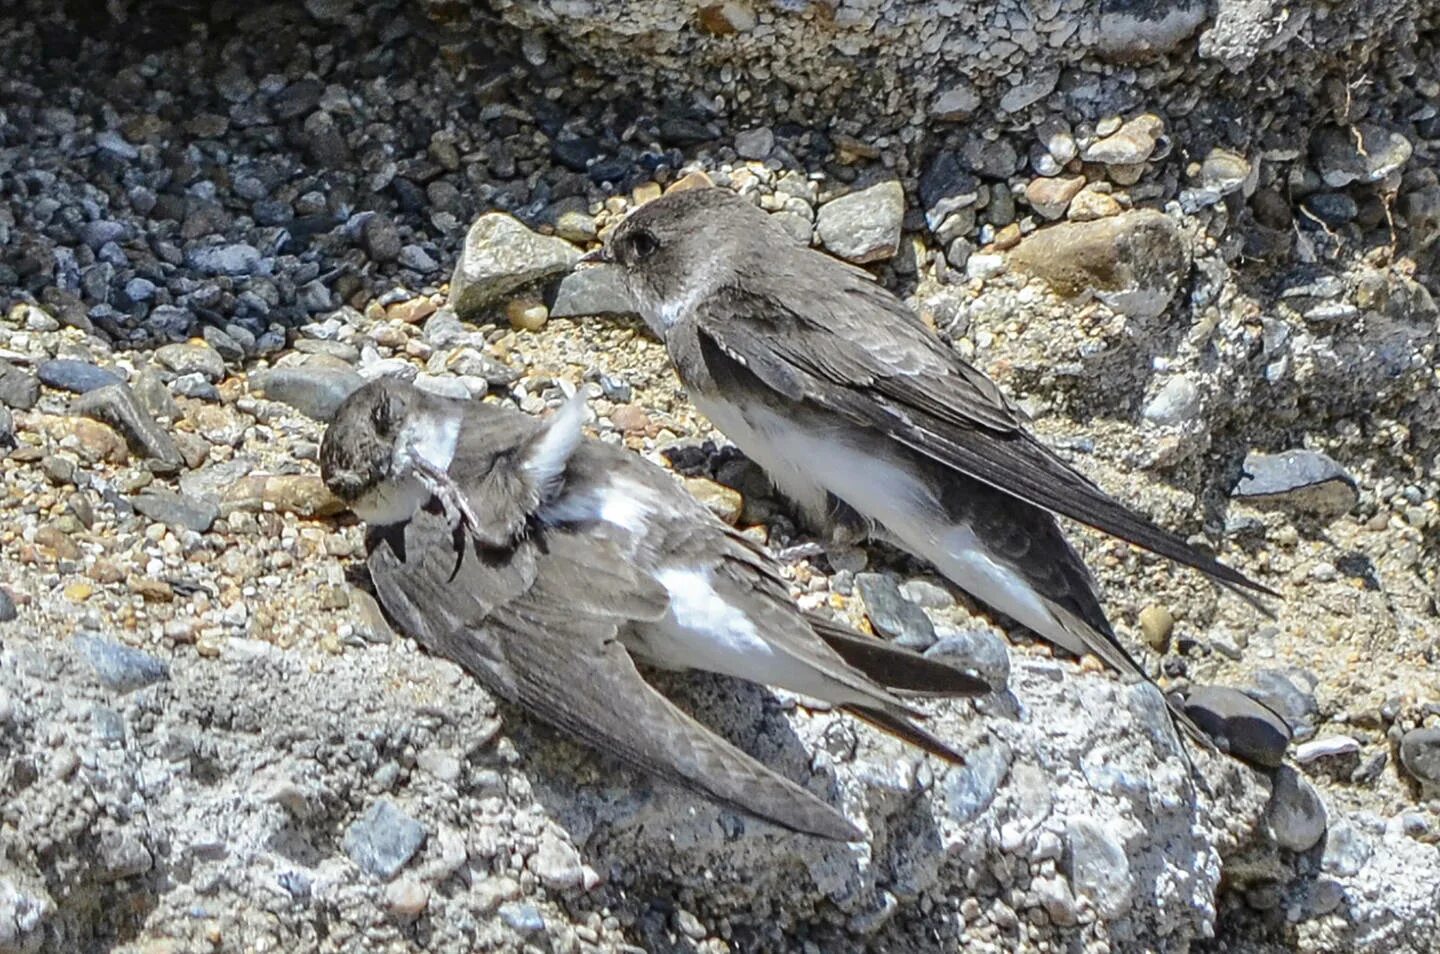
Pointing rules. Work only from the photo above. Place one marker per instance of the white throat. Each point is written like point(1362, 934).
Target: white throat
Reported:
point(425, 440)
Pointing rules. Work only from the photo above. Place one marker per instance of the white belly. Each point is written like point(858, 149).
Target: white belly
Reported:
point(805, 464)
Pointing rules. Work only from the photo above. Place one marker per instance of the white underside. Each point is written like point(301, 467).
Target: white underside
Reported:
point(701, 630)
point(426, 438)
point(804, 465)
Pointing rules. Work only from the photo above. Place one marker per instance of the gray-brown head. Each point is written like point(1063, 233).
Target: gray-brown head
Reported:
point(688, 244)
point(358, 450)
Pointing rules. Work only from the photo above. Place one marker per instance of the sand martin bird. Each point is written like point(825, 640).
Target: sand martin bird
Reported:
point(548, 564)
point(855, 408)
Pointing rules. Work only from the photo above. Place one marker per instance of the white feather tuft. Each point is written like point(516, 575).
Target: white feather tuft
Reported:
point(547, 456)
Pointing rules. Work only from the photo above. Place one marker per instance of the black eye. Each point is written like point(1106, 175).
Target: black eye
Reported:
point(385, 415)
point(639, 246)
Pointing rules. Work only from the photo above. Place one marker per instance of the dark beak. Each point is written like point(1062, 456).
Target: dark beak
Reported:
point(596, 256)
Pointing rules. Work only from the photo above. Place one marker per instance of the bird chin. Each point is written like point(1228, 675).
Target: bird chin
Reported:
point(391, 501)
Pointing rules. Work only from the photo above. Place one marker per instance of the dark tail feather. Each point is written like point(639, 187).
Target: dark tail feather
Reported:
point(906, 730)
point(897, 668)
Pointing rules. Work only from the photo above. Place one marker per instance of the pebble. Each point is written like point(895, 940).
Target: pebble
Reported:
point(192, 357)
point(968, 790)
point(526, 314)
point(522, 917)
point(18, 389)
point(893, 615)
point(1329, 747)
point(1131, 144)
point(1099, 868)
point(1238, 724)
point(8, 612)
point(1303, 480)
point(630, 418)
point(176, 510)
point(1177, 402)
point(381, 239)
point(407, 897)
point(7, 427)
point(1290, 694)
point(315, 390)
point(1420, 755)
point(755, 143)
point(556, 863)
point(236, 258)
point(1341, 160)
point(956, 104)
point(1092, 204)
point(1156, 625)
point(383, 840)
point(500, 256)
point(980, 651)
point(1224, 172)
point(1050, 197)
point(724, 502)
point(120, 668)
point(1296, 814)
point(863, 226)
point(77, 377)
point(116, 406)
point(946, 188)
point(592, 291)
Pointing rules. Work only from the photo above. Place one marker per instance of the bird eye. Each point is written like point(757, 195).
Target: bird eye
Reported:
point(640, 245)
point(384, 415)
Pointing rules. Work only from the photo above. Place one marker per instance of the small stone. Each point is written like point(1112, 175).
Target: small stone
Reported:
point(1099, 868)
point(1041, 83)
point(123, 855)
point(1239, 725)
point(7, 427)
point(722, 501)
point(691, 180)
point(150, 589)
point(522, 917)
point(755, 143)
point(526, 314)
point(1091, 204)
point(1156, 624)
point(18, 389)
point(1178, 402)
point(556, 863)
point(1332, 208)
point(1360, 153)
point(192, 357)
point(893, 615)
point(381, 238)
point(120, 668)
point(863, 226)
point(176, 510)
point(1420, 755)
point(407, 897)
point(77, 377)
point(60, 471)
point(234, 259)
point(728, 17)
point(1290, 693)
point(116, 406)
point(1050, 197)
point(947, 188)
point(415, 258)
point(383, 840)
point(1225, 172)
point(1135, 262)
point(8, 612)
point(1131, 30)
point(1304, 480)
point(956, 104)
point(630, 418)
point(1295, 814)
point(968, 790)
point(1326, 749)
point(302, 494)
point(500, 256)
point(315, 390)
point(78, 591)
point(978, 651)
point(592, 291)
point(1131, 144)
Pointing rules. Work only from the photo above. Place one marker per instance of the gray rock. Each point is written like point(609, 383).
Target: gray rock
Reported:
point(525, 918)
point(1420, 754)
point(108, 725)
point(500, 256)
point(176, 510)
point(1360, 153)
point(1328, 749)
point(8, 612)
point(1099, 868)
point(225, 344)
point(863, 226)
point(18, 389)
point(153, 396)
point(211, 481)
point(592, 290)
point(381, 238)
point(116, 406)
point(314, 390)
point(192, 358)
point(968, 790)
point(75, 376)
point(755, 143)
point(123, 855)
point(120, 668)
point(417, 259)
point(979, 650)
point(1240, 725)
point(1133, 29)
point(1177, 402)
point(892, 614)
point(1289, 693)
point(7, 427)
point(197, 386)
point(1299, 479)
point(955, 104)
point(1346, 850)
point(946, 188)
point(234, 259)
point(384, 839)
point(1295, 814)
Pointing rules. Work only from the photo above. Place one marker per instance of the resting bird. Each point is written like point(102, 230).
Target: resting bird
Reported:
point(548, 565)
point(865, 418)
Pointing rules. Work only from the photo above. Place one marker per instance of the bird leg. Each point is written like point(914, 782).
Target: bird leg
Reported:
point(457, 509)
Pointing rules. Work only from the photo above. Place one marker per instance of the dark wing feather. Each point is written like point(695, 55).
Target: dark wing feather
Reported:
point(875, 364)
point(540, 628)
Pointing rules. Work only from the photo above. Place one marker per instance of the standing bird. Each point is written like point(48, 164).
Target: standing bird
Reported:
point(855, 409)
point(546, 564)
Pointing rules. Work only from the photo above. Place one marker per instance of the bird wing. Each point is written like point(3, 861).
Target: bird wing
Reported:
point(540, 627)
point(853, 349)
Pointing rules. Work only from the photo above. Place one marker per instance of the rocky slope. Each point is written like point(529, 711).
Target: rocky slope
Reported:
point(1195, 241)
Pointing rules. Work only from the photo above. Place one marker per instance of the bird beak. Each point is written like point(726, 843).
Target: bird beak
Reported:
point(596, 256)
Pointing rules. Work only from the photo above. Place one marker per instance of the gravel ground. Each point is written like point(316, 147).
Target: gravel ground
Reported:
point(217, 219)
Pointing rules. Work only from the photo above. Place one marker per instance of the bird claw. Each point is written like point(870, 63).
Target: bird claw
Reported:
point(800, 551)
point(457, 509)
